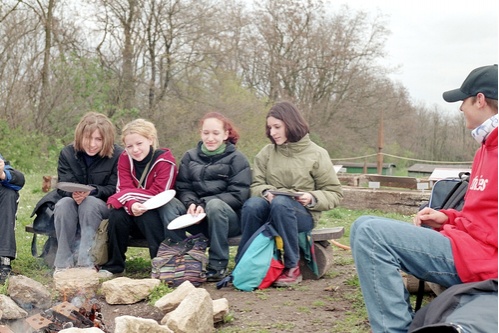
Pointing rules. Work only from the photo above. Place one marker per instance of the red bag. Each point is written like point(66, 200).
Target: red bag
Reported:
point(275, 270)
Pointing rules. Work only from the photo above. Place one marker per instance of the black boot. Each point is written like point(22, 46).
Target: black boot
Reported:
point(214, 275)
point(5, 271)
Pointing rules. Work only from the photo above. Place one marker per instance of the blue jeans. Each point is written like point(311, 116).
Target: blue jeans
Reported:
point(382, 248)
point(286, 215)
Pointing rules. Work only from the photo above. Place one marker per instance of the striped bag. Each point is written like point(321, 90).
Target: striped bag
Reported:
point(177, 262)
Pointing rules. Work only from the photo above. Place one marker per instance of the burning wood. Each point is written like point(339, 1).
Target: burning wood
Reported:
point(66, 315)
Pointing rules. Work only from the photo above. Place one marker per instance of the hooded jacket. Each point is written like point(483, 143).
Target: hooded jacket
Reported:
point(473, 230)
point(159, 178)
point(300, 166)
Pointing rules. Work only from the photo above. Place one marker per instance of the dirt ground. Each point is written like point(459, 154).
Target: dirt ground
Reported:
point(312, 306)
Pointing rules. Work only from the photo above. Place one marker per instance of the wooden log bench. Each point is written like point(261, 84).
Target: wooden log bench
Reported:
point(322, 247)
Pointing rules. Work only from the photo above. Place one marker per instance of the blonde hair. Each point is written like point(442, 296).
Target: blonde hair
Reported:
point(90, 122)
point(141, 127)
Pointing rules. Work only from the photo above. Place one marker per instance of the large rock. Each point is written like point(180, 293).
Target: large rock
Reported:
point(77, 281)
point(123, 290)
point(129, 324)
point(193, 315)
point(171, 300)
point(10, 310)
point(28, 293)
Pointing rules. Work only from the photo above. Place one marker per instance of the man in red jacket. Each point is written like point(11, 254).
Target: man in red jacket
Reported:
point(455, 246)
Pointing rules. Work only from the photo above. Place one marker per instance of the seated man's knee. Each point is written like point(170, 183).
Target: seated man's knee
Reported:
point(360, 226)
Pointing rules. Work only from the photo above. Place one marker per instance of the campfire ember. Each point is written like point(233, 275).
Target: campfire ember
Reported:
point(66, 315)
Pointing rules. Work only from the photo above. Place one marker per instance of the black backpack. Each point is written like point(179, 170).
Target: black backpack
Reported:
point(446, 193)
point(43, 223)
point(465, 307)
point(449, 192)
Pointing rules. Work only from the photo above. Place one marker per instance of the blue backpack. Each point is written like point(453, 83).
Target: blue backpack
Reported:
point(259, 264)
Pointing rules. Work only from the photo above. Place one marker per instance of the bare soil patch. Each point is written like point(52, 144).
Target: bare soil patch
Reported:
point(312, 306)
point(321, 305)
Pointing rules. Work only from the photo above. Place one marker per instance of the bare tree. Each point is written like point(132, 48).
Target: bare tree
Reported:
point(121, 21)
point(327, 64)
point(47, 17)
point(27, 65)
point(173, 60)
point(6, 10)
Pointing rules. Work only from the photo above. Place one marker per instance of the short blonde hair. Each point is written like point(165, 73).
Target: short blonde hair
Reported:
point(90, 122)
point(141, 127)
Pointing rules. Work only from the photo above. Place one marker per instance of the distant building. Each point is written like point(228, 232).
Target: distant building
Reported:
point(439, 171)
point(365, 168)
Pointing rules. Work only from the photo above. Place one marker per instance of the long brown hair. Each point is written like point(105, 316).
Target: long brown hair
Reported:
point(90, 122)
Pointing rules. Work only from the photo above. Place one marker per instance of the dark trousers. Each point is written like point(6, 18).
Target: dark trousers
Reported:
point(8, 209)
point(220, 224)
point(122, 226)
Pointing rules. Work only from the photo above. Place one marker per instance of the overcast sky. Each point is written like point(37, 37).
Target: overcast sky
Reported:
point(436, 42)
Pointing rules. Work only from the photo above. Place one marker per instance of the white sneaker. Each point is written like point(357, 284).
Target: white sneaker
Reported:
point(104, 274)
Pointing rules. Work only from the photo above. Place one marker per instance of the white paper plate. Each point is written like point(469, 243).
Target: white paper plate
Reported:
point(159, 199)
point(74, 187)
point(185, 221)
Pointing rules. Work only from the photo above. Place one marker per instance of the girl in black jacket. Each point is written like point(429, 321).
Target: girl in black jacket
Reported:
point(214, 178)
point(90, 160)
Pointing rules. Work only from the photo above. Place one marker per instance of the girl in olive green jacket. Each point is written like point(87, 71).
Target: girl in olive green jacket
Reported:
point(293, 182)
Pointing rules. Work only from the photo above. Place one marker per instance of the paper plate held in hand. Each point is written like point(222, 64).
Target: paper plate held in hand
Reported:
point(185, 221)
point(74, 187)
point(159, 199)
